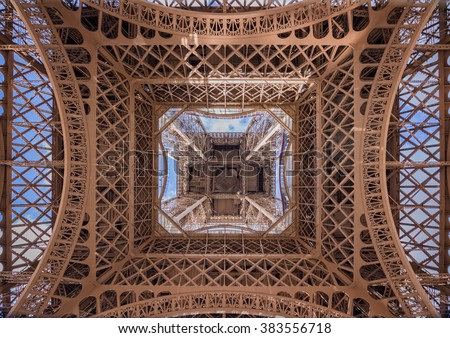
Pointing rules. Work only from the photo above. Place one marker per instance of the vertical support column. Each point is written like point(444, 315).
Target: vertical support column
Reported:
point(360, 222)
point(91, 217)
point(5, 121)
point(319, 150)
point(6, 171)
point(132, 166)
point(393, 154)
point(7, 137)
point(295, 168)
point(155, 167)
point(444, 108)
point(304, 167)
point(57, 155)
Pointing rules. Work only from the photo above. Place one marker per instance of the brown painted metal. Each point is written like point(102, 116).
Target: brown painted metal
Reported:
point(348, 74)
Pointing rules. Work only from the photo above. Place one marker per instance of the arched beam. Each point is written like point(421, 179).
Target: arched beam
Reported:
point(67, 226)
point(411, 295)
point(269, 21)
point(211, 302)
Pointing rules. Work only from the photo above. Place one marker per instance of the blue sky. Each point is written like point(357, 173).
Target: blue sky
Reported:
point(237, 125)
point(171, 184)
point(31, 194)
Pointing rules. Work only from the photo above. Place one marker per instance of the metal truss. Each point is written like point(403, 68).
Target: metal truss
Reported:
point(31, 139)
point(222, 7)
point(380, 225)
point(420, 208)
point(255, 304)
point(71, 208)
point(85, 114)
point(279, 20)
point(223, 246)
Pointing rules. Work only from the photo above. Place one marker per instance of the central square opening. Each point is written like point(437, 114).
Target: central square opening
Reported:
point(224, 171)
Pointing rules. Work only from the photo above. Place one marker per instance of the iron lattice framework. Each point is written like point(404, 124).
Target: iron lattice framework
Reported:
point(86, 87)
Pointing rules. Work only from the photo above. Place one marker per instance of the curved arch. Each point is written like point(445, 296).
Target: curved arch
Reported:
point(235, 7)
point(232, 302)
point(68, 222)
point(396, 267)
point(224, 226)
point(399, 274)
point(268, 21)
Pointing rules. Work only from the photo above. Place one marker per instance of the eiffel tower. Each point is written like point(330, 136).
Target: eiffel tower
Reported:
point(240, 158)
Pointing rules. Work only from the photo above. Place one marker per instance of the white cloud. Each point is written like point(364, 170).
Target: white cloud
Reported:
point(225, 125)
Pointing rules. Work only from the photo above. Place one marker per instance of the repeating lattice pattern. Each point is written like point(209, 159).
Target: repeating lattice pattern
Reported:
point(36, 297)
point(422, 139)
point(344, 99)
point(226, 272)
point(419, 129)
point(220, 6)
point(172, 63)
point(322, 303)
point(30, 154)
point(306, 165)
point(164, 70)
point(144, 170)
point(411, 297)
point(231, 246)
point(234, 94)
point(279, 21)
point(336, 146)
point(30, 139)
point(212, 302)
point(32, 200)
point(113, 166)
